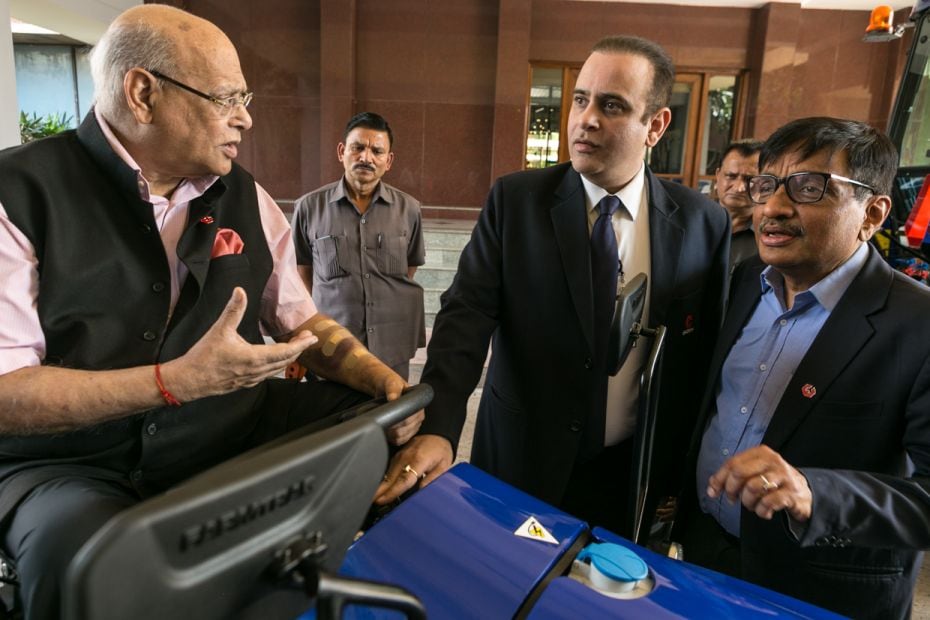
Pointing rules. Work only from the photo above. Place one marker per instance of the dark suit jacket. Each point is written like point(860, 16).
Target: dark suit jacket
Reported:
point(525, 278)
point(870, 366)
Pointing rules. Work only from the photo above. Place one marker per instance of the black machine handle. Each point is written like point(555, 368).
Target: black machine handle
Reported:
point(299, 563)
point(645, 430)
point(386, 414)
point(334, 592)
point(383, 413)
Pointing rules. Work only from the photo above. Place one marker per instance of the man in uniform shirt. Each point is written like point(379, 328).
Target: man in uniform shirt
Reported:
point(740, 161)
point(359, 241)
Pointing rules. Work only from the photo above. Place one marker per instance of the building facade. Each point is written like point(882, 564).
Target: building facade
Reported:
point(456, 79)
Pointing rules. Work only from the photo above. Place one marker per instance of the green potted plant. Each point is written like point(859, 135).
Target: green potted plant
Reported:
point(34, 127)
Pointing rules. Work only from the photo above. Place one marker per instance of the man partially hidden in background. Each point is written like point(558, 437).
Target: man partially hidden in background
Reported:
point(731, 185)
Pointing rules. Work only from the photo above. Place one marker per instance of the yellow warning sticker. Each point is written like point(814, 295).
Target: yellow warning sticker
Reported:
point(533, 530)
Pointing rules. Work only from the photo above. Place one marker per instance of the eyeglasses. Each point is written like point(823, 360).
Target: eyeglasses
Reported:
point(801, 187)
point(226, 104)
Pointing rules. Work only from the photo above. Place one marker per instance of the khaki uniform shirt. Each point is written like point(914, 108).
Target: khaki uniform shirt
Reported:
point(360, 265)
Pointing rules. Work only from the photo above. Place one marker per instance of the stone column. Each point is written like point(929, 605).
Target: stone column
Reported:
point(511, 86)
point(9, 108)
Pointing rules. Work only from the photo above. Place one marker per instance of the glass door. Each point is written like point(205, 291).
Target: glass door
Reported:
point(545, 117)
point(672, 157)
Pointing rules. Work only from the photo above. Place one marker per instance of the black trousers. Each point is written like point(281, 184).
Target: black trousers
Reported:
point(52, 523)
point(707, 544)
point(599, 489)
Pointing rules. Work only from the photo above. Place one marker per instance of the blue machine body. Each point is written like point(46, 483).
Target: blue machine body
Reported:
point(453, 544)
point(682, 591)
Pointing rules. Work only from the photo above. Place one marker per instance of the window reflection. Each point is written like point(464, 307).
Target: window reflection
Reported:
point(542, 140)
point(718, 121)
point(668, 156)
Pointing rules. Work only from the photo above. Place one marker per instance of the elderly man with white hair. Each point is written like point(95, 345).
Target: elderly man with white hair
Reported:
point(140, 269)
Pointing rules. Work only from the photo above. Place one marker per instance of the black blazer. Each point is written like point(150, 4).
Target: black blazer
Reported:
point(870, 366)
point(525, 279)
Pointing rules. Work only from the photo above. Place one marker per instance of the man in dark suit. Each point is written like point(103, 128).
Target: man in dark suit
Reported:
point(552, 421)
point(814, 450)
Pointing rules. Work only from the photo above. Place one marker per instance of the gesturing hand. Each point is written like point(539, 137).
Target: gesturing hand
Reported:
point(222, 361)
point(764, 482)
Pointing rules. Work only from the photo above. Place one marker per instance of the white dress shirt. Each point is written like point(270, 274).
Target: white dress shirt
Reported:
point(631, 226)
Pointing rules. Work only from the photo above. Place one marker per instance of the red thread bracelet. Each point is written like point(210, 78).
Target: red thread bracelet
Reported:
point(168, 396)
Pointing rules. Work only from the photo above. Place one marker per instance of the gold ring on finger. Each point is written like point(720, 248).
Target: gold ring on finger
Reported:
point(410, 470)
point(768, 485)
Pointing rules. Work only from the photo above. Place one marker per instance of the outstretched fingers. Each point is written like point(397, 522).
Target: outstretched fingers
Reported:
point(222, 361)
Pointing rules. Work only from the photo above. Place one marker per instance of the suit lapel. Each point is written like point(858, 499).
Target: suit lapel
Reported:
point(665, 240)
point(570, 225)
point(843, 335)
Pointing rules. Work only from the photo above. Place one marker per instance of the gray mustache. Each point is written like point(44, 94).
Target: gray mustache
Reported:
point(770, 225)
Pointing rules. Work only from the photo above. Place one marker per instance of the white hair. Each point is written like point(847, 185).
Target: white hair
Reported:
point(125, 46)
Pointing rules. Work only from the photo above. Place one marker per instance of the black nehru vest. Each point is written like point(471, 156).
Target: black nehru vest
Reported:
point(104, 296)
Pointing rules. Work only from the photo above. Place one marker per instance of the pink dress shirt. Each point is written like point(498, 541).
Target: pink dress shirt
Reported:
point(285, 301)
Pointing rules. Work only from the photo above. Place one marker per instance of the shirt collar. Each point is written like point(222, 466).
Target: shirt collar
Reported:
point(830, 289)
point(631, 194)
point(189, 189)
point(339, 192)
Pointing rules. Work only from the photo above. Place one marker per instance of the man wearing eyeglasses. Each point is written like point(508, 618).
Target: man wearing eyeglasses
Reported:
point(140, 268)
point(813, 461)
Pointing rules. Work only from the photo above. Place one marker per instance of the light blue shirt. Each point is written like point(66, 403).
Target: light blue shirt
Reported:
point(757, 370)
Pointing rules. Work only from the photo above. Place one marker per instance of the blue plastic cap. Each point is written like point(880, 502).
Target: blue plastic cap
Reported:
point(615, 561)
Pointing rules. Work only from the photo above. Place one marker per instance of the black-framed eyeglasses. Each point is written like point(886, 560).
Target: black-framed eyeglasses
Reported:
point(801, 187)
point(227, 104)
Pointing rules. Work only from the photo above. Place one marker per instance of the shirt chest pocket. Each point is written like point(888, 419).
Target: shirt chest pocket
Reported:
point(329, 256)
point(392, 255)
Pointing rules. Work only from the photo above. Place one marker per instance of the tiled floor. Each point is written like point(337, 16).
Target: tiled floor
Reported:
point(922, 596)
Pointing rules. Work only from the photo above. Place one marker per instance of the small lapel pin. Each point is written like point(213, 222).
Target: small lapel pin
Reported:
point(206, 219)
point(808, 390)
point(689, 324)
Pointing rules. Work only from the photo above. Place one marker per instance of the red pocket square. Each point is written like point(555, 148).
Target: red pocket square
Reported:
point(227, 241)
